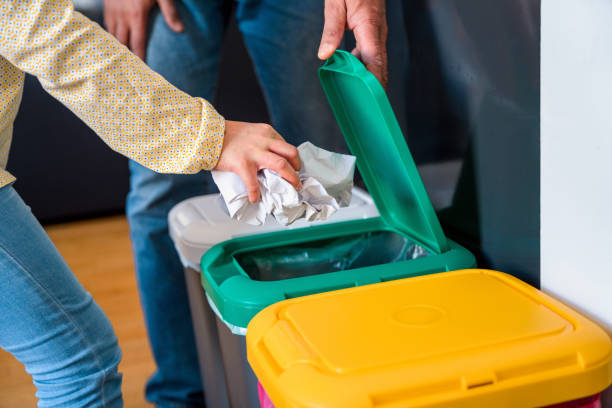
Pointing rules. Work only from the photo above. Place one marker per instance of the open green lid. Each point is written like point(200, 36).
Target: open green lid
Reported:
point(372, 133)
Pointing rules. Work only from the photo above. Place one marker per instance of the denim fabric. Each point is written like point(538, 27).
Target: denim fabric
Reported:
point(47, 319)
point(282, 38)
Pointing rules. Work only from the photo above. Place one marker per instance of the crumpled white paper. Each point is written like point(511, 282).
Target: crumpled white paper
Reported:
point(327, 182)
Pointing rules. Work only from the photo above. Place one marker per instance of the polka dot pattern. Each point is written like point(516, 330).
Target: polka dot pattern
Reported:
point(133, 109)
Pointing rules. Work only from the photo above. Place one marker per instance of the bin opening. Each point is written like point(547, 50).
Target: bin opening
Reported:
point(329, 255)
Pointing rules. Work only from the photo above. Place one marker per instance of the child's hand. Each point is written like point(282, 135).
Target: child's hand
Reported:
point(249, 147)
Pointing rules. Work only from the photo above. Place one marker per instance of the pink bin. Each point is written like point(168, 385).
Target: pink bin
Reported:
point(264, 400)
point(589, 402)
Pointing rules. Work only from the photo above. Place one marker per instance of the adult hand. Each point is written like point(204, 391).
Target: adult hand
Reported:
point(249, 147)
point(127, 20)
point(368, 21)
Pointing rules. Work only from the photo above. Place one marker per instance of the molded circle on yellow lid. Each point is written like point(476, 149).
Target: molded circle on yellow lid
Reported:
point(418, 315)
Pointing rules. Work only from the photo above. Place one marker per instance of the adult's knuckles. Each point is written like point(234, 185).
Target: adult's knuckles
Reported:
point(335, 7)
point(330, 33)
point(137, 13)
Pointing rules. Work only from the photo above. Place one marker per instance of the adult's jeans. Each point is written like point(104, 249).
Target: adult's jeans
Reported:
point(282, 38)
point(47, 319)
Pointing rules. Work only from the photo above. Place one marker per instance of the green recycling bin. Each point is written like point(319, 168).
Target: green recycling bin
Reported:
point(242, 276)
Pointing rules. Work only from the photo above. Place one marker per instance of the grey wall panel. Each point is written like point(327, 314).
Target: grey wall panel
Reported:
point(474, 84)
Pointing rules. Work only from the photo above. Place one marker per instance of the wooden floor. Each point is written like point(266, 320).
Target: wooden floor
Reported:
point(99, 253)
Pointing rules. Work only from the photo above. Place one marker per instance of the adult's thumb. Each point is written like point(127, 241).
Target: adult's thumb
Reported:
point(171, 15)
point(333, 30)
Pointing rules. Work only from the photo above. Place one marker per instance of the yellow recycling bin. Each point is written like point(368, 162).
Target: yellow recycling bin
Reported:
point(462, 339)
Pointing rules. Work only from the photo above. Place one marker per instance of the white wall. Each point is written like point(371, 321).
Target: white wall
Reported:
point(576, 149)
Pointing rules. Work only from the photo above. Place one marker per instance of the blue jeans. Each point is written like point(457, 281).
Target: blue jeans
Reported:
point(282, 38)
point(47, 319)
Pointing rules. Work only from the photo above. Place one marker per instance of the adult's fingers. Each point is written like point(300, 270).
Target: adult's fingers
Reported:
point(269, 160)
point(109, 21)
point(121, 33)
point(110, 17)
point(171, 15)
point(111, 26)
point(333, 29)
point(138, 36)
point(371, 43)
point(248, 174)
point(288, 151)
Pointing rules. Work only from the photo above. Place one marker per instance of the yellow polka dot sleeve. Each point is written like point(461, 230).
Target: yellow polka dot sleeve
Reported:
point(132, 108)
point(11, 88)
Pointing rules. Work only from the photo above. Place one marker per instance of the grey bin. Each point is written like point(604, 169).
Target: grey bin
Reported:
point(195, 226)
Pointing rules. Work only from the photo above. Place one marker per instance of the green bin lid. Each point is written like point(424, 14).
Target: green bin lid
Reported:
point(373, 135)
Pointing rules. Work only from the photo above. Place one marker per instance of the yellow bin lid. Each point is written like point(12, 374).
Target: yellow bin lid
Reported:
point(463, 339)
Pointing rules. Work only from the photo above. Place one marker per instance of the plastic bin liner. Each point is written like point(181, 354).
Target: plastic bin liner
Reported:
point(331, 255)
